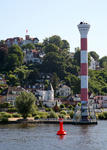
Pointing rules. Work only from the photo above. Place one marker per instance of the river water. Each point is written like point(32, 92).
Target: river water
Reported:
point(43, 137)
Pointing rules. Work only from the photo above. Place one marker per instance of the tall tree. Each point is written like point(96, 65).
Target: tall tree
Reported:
point(15, 57)
point(56, 40)
point(50, 48)
point(22, 73)
point(34, 75)
point(65, 45)
point(25, 103)
point(53, 62)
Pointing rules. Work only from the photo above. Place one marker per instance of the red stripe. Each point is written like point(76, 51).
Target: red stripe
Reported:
point(84, 69)
point(84, 94)
point(83, 43)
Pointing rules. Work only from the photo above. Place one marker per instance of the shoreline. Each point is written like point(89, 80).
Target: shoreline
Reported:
point(50, 121)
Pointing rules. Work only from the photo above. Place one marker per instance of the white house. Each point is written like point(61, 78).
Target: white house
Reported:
point(93, 64)
point(63, 90)
point(13, 92)
point(33, 56)
point(46, 95)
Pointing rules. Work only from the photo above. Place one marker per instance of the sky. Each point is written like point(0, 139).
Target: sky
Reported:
point(45, 18)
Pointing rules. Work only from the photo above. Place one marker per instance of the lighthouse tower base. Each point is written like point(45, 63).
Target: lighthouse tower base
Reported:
point(84, 114)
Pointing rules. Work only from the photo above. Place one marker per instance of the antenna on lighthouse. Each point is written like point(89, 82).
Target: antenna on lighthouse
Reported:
point(26, 31)
point(27, 37)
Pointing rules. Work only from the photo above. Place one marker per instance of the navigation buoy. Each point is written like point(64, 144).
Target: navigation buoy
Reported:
point(61, 131)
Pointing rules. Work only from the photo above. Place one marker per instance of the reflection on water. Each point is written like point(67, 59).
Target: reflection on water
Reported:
point(43, 137)
point(61, 137)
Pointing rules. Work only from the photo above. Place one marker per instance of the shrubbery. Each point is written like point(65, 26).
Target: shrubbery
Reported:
point(48, 109)
point(5, 114)
point(12, 109)
point(62, 116)
point(71, 114)
point(52, 114)
point(102, 116)
point(37, 117)
point(16, 115)
point(4, 117)
point(63, 112)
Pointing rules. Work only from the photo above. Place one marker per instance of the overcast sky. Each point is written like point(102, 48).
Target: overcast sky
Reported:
point(44, 18)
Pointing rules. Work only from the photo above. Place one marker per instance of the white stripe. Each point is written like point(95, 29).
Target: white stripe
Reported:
point(84, 82)
point(83, 35)
point(84, 56)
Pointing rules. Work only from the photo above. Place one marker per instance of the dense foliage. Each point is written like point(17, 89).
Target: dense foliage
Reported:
point(25, 103)
point(58, 62)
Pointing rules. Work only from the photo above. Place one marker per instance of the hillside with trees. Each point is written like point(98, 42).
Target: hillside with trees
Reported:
point(57, 61)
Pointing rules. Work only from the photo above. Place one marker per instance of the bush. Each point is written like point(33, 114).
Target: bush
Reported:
point(37, 117)
point(105, 114)
point(16, 115)
point(35, 113)
point(71, 107)
point(13, 109)
point(62, 116)
point(62, 106)
point(71, 114)
point(29, 115)
point(4, 119)
point(4, 105)
point(101, 116)
point(5, 114)
point(63, 112)
point(52, 114)
point(48, 109)
point(43, 114)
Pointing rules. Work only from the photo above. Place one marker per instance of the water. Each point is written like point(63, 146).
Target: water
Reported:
point(43, 137)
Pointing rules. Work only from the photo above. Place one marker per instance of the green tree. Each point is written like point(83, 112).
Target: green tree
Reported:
point(12, 80)
point(94, 55)
point(34, 75)
point(103, 61)
point(50, 48)
point(77, 57)
point(52, 114)
point(15, 49)
point(55, 39)
point(15, 57)
point(12, 62)
point(3, 57)
point(65, 45)
point(54, 63)
point(25, 103)
point(22, 73)
point(73, 82)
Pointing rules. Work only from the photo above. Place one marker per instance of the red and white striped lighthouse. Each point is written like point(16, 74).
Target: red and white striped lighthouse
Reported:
point(83, 29)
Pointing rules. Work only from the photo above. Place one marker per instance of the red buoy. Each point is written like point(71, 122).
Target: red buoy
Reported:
point(61, 131)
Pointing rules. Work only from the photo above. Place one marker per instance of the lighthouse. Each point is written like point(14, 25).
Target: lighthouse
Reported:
point(83, 29)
